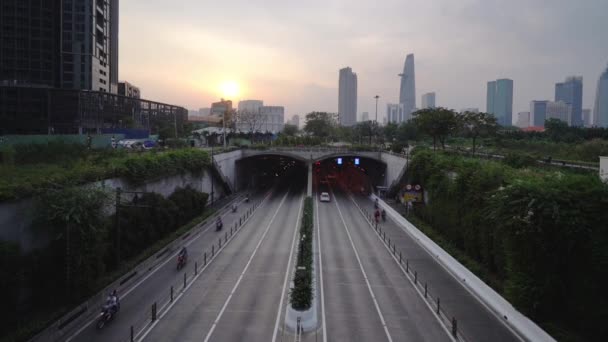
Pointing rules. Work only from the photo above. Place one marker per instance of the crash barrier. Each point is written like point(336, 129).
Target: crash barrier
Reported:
point(422, 287)
point(146, 320)
point(514, 320)
point(74, 319)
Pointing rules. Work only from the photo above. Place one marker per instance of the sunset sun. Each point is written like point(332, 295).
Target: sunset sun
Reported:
point(230, 89)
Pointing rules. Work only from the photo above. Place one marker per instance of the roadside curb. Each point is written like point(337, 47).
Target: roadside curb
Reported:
point(309, 319)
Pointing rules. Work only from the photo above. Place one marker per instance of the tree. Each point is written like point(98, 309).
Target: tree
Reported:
point(290, 130)
point(249, 121)
point(320, 124)
point(556, 129)
point(477, 125)
point(438, 122)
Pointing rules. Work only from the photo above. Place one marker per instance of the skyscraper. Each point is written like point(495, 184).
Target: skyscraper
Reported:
point(407, 93)
point(499, 101)
point(347, 97)
point(114, 46)
point(364, 116)
point(600, 111)
point(428, 101)
point(538, 113)
point(571, 92)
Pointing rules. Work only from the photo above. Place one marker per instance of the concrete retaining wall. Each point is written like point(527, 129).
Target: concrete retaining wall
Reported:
point(16, 216)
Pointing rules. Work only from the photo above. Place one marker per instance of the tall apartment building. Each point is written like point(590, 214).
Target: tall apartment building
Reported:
point(60, 43)
point(252, 106)
point(499, 100)
point(428, 101)
point(347, 97)
point(254, 116)
point(571, 92)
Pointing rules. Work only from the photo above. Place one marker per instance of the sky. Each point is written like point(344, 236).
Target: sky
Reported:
point(288, 53)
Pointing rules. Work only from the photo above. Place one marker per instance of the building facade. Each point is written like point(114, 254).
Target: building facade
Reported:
point(538, 113)
point(559, 110)
point(499, 100)
point(364, 116)
point(600, 110)
point(273, 119)
point(395, 113)
point(571, 92)
point(250, 106)
point(347, 97)
point(428, 101)
point(587, 118)
point(471, 110)
point(46, 110)
point(128, 89)
point(295, 120)
point(523, 119)
point(407, 90)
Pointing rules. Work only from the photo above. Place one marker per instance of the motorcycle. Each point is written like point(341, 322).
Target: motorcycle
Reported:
point(247, 199)
point(105, 316)
point(383, 216)
point(234, 208)
point(181, 261)
point(219, 225)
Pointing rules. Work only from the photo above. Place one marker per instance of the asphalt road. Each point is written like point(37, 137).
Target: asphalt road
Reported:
point(475, 321)
point(241, 297)
point(242, 294)
point(366, 296)
point(136, 302)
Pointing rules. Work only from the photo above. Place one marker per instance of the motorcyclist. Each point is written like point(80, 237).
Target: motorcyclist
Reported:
point(247, 198)
point(383, 213)
point(233, 207)
point(377, 215)
point(218, 223)
point(376, 203)
point(112, 302)
point(182, 257)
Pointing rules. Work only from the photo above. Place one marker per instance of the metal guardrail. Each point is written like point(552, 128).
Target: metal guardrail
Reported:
point(162, 304)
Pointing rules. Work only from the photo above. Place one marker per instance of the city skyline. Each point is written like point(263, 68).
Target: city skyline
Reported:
point(192, 51)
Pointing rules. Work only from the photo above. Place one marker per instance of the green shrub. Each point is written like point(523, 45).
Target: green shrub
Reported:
point(519, 160)
point(301, 295)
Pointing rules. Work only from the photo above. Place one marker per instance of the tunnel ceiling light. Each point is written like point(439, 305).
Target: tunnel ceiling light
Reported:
point(339, 161)
point(356, 161)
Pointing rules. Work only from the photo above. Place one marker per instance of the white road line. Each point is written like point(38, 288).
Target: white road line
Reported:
point(293, 243)
point(369, 287)
point(321, 274)
point(149, 327)
point(156, 268)
point(442, 323)
point(238, 282)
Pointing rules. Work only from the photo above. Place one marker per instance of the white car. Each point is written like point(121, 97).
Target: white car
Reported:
point(324, 197)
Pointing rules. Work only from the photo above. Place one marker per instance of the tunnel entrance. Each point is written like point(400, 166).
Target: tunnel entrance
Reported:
point(352, 173)
point(266, 171)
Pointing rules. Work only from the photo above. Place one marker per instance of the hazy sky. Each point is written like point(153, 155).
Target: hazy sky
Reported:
point(288, 53)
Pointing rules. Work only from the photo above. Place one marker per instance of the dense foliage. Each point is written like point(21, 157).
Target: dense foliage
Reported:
point(543, 235)
point(301, 295)
point(82, 256)
point(28, 170)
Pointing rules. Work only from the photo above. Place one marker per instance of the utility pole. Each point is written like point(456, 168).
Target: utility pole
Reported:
point(117, 214)
point(376, 97)
point(224, 127)
point(211, 174)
